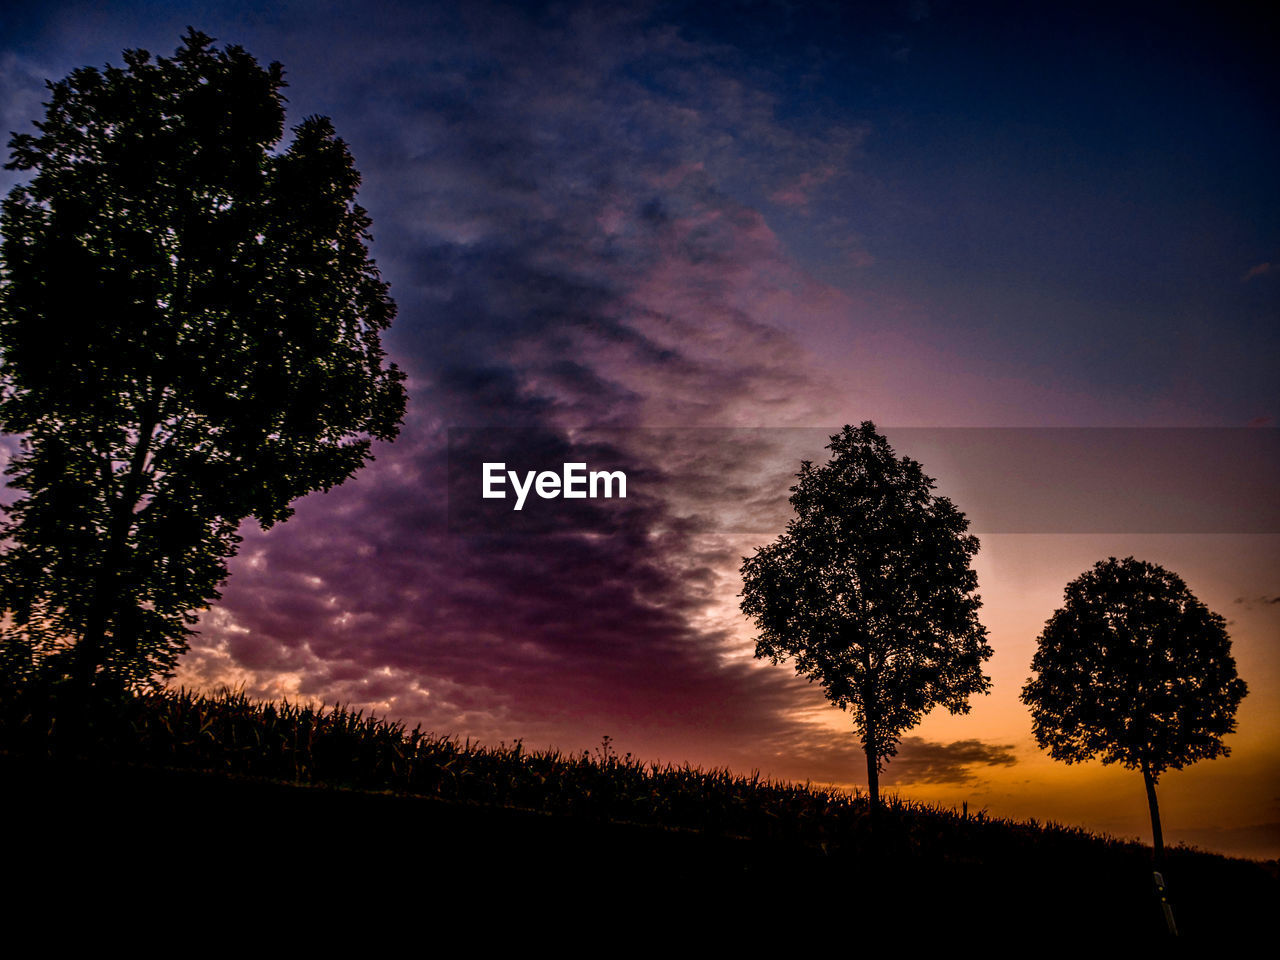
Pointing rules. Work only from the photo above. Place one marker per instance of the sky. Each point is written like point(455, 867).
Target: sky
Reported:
point(692, 240)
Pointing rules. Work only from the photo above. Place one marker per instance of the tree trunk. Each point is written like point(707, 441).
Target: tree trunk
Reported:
point(1157, 843)
point(873, 779)
point(871, 747)
point(1157, 836)
point(89, 652)
point(88, 656)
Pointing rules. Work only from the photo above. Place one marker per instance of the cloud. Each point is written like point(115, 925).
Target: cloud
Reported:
point(1262, 600)
point(798, 192)
point(924, 761)
point(567, 253)
point(812, 751)
point(1258, 270)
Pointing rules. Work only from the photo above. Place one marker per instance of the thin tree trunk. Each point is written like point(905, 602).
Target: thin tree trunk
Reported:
point(873, 779)
point(872, 749)
point(1157, 843)
point(89, 653)
point(1157, 835)
point(87, 659)
point(871, 743)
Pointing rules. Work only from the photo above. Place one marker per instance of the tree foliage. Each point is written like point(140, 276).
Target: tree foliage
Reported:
point(1133, 670)
point(189, 336)
point(870, 592)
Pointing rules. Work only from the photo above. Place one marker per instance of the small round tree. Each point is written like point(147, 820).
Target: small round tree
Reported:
point(1134, 670)
point(869, 591)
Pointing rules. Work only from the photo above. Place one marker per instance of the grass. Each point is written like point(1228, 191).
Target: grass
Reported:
point(825, 833)
point(337, 747)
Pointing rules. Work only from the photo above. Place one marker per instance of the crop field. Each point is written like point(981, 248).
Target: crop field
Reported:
point(226, 772)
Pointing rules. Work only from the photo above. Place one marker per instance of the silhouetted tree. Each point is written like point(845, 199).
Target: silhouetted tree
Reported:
point(1135, 670)
point(190, 336)
point(871, 594)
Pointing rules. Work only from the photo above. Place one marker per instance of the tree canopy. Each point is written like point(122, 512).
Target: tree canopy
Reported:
point(870, 592)
point(189, 336)
point(1133, 669)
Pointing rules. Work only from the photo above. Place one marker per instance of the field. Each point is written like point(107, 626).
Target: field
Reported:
point(175, 799)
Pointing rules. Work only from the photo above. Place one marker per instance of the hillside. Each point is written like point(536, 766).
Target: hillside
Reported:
point(177, 800)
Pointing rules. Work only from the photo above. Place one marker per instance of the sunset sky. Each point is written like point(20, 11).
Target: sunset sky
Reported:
point(700, 218)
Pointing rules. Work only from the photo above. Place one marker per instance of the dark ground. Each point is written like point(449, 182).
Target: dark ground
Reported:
point(186, 852)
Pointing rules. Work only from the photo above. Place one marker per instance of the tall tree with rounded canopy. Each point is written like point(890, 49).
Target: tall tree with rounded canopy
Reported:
point(1134, 670)
point(189, 336)
point(870, 592)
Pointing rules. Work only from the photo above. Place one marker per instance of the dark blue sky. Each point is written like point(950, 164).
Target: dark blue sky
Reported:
point(1081, 190)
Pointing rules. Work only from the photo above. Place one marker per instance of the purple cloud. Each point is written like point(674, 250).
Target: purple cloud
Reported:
point(565, 257)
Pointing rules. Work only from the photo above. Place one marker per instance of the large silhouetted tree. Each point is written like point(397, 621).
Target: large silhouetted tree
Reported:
point(1134, 670)
point(190, 336)
point(869, 591)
